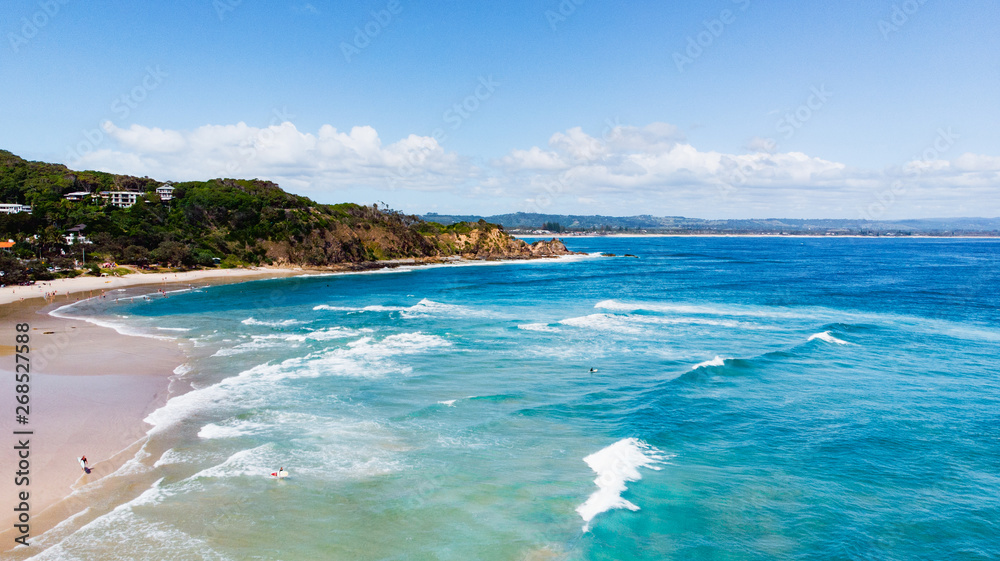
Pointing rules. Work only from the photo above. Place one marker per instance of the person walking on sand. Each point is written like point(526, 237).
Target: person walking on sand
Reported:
point(83, 464)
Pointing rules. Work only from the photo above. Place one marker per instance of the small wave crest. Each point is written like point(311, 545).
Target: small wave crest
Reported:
point(825, 336)
point(543, 327)
point(615, 466)
point(423, 308)
point(696, 309)
point(604, 322)
point(329, 334)
point(283, 323)
point(717, 361)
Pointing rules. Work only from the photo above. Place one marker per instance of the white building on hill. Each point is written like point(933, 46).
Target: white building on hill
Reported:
point(165, 191)
point(123, 199)
point(76, 195)
point(14, 208)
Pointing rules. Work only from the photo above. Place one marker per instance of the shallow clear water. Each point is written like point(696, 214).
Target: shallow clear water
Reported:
point(716, 398)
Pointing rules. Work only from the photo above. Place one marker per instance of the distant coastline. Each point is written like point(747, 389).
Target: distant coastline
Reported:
point(524, 224)
point(985, 236)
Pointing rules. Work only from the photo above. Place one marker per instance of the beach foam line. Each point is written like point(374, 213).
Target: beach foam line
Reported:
point(121, 328)
point(615, 466)
point(825, 336)
point(717, 361)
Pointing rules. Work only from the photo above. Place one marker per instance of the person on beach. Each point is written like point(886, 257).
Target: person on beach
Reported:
point(83, 464)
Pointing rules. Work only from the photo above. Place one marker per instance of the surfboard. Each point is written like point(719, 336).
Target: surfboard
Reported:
point(279, 474)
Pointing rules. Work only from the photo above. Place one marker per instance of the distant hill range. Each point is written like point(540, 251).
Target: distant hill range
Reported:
point(523, 222)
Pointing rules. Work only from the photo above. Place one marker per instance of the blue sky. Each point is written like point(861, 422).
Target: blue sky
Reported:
point(728, 108)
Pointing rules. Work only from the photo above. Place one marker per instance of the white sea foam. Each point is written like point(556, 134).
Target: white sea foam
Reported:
point(717, 361)
point(325, 447)
point(61, 530)
point(257, 462)
point(825, 336)
point(121, 328)
point(327, 307)
point(423, 308)
point(544, 327)
point(636, 324)
point(256, 342)
point(283, 323)
point(615, 466)
point(275, 340)
point(604, 322)
point(363, 358)
point(134, 536)
point(174, 328)
point(329, 334)
point(171, 456)
point(615, 305)
point(449, 403)
point(213, 430)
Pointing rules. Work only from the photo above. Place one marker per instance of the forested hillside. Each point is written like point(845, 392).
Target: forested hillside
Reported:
point(226, 221)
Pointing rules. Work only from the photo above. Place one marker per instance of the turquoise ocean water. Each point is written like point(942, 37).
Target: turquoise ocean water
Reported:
point(714, 398)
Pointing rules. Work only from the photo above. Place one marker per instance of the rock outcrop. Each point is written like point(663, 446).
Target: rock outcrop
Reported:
point(494, 243)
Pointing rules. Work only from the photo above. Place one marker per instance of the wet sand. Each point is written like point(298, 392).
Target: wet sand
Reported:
point(90, 389)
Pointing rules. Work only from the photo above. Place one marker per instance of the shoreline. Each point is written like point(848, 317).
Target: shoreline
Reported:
point(103, 384)
point(91, 389)
point(64, 288)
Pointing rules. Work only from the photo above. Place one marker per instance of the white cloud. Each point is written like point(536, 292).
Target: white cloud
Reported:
point(761, 144)
point(977, 162)
point(329, 159)
point(653, 170)
point(626, 170)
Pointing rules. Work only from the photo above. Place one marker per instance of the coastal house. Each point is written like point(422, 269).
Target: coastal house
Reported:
point(165, 191)
point(74, 238)
point(14, 208)
point(75, 235)
point(76, 196)
point(121, 199)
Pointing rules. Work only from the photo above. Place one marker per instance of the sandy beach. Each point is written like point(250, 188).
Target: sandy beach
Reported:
point(66, 290)
point(90, 389)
